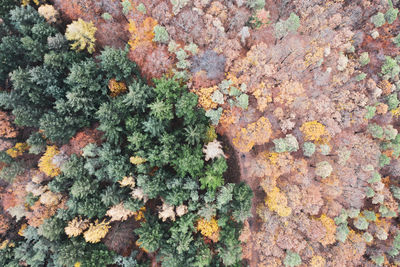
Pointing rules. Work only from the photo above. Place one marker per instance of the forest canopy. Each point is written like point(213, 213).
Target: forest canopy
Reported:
point(142, 179)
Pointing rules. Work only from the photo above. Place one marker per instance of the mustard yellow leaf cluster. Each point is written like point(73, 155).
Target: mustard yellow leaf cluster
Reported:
point(116, 88)
point(28, 2)
point(17, 150)
point(139, 215)
point(313, 131)
point(330, 226)
point(96, 231)
point(209, 228)
point(277, 201)
point(81, 33)
point(258, 133)
point(318, 261)
point(211, 135)
point(22, 229)
point(204, 95)
point(46, 164)
point(142, 35)
point(137, 160)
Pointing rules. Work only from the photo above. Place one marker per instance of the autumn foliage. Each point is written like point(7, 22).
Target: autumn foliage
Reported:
point(46, 164)
point(257, 132)
point(7, 130)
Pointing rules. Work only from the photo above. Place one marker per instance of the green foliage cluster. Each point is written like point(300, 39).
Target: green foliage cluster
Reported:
point(292, 259)
point(63, 91)
point(182, 54)
point(53, 88)
point(287, 144)
point(308, 149)
point(160, 34)
point(364, 59)
point(284, 27)
point(390, 68)
point(256, 4)
point(378, 20)
point(236, 97)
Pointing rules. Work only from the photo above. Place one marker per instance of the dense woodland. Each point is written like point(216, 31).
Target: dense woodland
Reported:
point(200, 133)
point(154, 177)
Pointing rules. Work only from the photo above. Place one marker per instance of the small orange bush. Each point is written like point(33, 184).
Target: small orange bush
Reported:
point(116, 88)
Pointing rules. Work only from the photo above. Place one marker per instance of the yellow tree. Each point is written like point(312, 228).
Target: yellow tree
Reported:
point(81, 33)
point(46, 164)
point(96, 231)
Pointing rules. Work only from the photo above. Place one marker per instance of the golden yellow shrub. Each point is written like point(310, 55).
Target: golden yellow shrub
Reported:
point(28, 2)
point(330, 226)
point(135, 160)
point(263, 94)
point(288, 92)
point(277, 201)
point(258, 133)
point(139, 215)
point(17, 150)
point(96, 231)
point(116, 88)
point(142, 35)
point(313, 131)
point(209, 229)
point(22, 229)
point(46, 164)
point(204, 95)
point(317, 261)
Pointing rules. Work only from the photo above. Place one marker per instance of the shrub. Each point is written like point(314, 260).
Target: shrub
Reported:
point(368, 237)
point(287, 144)
point(364, 59)
point(391, 13)
point(160, 34)
point(107, 16)
point(323, 169)
point(141, 8)
point(378, 20)
point(390, 68)
point(370, 112)
point(396, 40)
point(292, 259)
point(284, 27)
point(177, 5)
point(308, 149)
point(361, 77)
point(126, 6)
point(361, 223)
point(375, 130)
point(256, 4)
point(342, 232)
